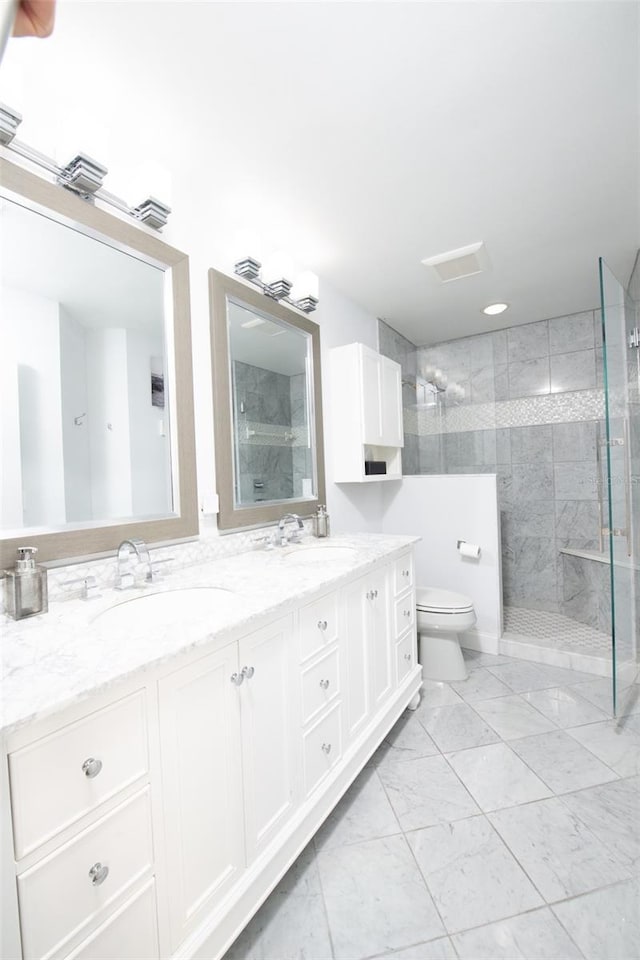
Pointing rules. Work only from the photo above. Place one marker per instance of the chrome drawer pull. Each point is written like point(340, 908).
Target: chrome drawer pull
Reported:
point(327, 748)
point(248, 672)
point(322, 624)
point(324, 684)
point(407, 613)
point(91, 767)
point(372, 594)
point(407, 656)
point(237, 678)
point(405, 573)
point(98, 874)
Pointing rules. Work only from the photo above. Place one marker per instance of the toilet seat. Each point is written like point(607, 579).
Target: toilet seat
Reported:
point(445, 602)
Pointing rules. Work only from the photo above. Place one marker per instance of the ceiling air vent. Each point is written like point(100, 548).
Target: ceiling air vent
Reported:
point(456, 264)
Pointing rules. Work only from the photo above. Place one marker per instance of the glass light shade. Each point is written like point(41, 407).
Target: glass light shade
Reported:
point(277, 266)
point(306, 284)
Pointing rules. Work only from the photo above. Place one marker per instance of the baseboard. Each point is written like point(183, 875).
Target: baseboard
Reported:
point(481, 642)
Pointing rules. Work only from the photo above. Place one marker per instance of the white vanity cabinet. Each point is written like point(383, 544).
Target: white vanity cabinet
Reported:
point(366, 413)
point(152, 825)
point(83, 844)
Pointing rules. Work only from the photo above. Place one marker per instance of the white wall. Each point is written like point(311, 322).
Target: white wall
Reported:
point(73, 376)
point(36, 352)
point(443, 510)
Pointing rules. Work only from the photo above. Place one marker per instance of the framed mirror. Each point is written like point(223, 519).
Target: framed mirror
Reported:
point(96, 389)
point(267, 406)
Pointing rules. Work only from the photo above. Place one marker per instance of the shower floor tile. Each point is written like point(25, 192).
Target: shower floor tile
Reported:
point(555, 630)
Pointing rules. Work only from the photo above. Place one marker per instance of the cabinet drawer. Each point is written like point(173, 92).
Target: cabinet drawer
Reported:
point(130, 934)
point(320, 685)
point(65, 892)
point(404, 613)
point(405, 655)
point(58, 779)
point(322, 749)
point(318, 625)
point(403, 573)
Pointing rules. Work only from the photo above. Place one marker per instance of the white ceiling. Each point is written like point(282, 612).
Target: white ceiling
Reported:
point(366, 136)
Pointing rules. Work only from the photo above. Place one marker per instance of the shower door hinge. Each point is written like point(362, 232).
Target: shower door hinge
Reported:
point(634, 338)
point(614, 442)
point(616, 532)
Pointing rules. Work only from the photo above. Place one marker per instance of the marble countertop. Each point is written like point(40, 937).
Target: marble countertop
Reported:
point(66, 655)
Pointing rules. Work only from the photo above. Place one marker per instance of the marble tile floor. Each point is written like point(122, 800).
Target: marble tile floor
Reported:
point(499, 820)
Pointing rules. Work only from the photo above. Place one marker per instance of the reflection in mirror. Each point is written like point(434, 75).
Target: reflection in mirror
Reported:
point(96, 408)
point(268, 420)
point(270, 402)
point(82, 393)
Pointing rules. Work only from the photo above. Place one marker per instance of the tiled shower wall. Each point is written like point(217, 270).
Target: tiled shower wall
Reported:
point(531, 414)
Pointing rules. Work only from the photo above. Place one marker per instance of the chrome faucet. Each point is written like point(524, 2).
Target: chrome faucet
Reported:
point(284, 539)
point(125, 576)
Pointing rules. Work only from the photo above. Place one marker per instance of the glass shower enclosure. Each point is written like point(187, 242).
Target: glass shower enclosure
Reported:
point(620, 480)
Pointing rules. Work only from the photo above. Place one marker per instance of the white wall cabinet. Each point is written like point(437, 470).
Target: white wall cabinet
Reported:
point(366, 413)
point(236, 756)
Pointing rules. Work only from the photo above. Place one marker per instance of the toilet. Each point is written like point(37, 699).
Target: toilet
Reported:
point(442, 616)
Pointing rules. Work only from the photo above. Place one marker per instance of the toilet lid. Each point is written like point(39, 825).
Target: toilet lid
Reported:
point(442, 601)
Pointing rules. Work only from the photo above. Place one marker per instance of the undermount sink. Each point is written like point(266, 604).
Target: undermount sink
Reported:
point(166, 608)
point(333, 553)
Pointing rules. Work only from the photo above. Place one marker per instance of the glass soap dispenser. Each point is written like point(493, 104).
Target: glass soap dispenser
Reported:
point(321, 521)
point(25, 586)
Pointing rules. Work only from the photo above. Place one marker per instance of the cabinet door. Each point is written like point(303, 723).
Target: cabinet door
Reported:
point(353, 633)
point(379, 637)
point(270, 732)
point(392, 432)
point(371, 411)
point(201, 773)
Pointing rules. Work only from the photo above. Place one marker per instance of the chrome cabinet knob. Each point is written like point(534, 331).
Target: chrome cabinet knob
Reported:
point(322, 625)
point(326, 747)
point(324, 684)
point(98, 874)
point(237, 678)
point(248, 672)
point(91, 767)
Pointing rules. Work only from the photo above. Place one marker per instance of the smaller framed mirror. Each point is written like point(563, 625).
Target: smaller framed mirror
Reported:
point(267, 406)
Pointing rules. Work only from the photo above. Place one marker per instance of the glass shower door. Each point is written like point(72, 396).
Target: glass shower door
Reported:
point(621, 456)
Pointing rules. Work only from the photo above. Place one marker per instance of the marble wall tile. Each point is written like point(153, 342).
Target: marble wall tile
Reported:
point(533, 572)
point(532, 481)
point(573, 371)
point(584, 585)
point(528, 378)
point(501, 381)
point(572, 333)
point(503, 445)
point(431, 453)
point(531, 444)
point(575, 441)
point(575, 481)
point(528, 341)
point(393, 345)
point(535, 519)
point(576, 519)
point(499, 342)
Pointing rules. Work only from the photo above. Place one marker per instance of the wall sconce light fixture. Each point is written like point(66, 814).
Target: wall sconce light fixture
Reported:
point(83, 175)
point(274, 280)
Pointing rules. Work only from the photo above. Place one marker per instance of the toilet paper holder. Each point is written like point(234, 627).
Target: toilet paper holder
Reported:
point(466, 549)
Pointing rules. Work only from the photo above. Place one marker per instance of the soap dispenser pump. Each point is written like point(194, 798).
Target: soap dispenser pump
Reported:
point(25, 586)
point(321, 521)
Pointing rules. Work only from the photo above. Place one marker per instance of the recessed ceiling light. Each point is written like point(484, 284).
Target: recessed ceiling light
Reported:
point(495, 308)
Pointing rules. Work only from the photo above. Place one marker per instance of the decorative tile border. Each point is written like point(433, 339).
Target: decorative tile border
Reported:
point(581, 405)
